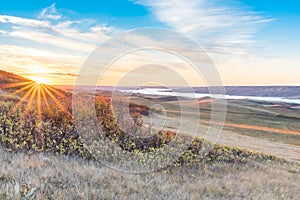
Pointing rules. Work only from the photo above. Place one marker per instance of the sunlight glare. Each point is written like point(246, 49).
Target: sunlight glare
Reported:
point(40, 80)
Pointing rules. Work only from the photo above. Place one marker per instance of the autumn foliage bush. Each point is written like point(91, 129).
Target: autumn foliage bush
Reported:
point(22, 129)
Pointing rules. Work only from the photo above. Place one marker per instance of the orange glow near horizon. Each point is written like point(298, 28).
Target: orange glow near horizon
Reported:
point(254, 127)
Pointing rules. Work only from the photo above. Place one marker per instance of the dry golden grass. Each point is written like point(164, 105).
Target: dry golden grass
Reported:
point(59, 177)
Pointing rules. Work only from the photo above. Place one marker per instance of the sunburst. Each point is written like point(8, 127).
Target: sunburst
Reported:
point(36, 95)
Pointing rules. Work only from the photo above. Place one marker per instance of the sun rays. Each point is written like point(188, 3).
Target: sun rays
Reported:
point(37, 96)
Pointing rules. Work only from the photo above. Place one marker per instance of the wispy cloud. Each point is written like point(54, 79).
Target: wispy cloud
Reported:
point(53, 40)
point(2, 32)
point(23, 59)
point(65, 74)
point(7, 19)
point(50, 13)
point(227, 29)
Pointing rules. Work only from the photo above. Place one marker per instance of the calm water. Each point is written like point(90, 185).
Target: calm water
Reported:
point(167, 92)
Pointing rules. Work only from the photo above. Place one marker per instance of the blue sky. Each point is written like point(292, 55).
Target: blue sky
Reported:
point(251, 42)
point(283, 33)
point(105, 7)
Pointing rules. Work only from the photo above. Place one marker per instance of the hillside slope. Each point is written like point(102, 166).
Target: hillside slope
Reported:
point(8, 78)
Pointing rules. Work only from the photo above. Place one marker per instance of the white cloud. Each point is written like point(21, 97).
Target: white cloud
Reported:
point(227, 29)
point(23, 21)
point(94, 35)
point(53, 40)
point(14, 56)
point(2, 32)
point(50, 13)
point(50, 28)
point(15, 51)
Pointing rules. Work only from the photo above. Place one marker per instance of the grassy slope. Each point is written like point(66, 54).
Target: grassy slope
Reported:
point(60, 177)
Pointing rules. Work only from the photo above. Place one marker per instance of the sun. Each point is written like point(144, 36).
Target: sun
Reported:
point(39, 74)
point(40, 80)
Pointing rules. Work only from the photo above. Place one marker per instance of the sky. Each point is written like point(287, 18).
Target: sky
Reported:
point(250, 42)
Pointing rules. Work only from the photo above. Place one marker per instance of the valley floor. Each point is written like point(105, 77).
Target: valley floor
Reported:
point(228, 137)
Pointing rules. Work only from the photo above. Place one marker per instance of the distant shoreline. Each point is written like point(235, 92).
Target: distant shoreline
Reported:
point(286, 94)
